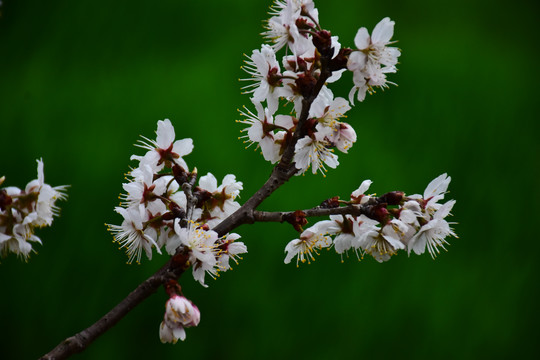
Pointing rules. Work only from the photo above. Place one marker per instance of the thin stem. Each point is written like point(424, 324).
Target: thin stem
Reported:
point(278, 216)
point(78, 342)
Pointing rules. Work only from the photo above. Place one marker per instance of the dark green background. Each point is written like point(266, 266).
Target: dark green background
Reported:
point(81, 80)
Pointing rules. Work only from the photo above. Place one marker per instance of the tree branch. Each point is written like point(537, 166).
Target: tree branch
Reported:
point(78, 342)
point(281, 173)
point(278, 216)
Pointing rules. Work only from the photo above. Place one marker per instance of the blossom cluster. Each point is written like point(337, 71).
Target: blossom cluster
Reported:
point(312, 59)
point(162, 207)
point(388, 224)
point(21, 211)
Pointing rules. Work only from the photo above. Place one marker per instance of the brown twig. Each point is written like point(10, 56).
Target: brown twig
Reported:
point(78, 342)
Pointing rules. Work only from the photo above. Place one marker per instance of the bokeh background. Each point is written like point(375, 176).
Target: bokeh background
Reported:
point(81, 80)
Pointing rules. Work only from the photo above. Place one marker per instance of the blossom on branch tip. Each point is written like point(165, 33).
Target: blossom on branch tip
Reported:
point(382, 244)
point(180, 313)
point(282, 29)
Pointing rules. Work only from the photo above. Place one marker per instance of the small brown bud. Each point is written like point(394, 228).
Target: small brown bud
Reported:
point(330, 203)
point(340, 60)
point(323, 43)
point(379, 213)
point(177, 210)
point(393, 197)
point(180, 175)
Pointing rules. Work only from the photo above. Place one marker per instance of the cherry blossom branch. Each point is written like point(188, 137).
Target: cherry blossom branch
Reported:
point(329, 207)
point(194, 224)
point(172, 270)
point(281, 173)
point(285, 169)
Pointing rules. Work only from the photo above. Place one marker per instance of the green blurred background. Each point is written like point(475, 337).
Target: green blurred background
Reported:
point(81, 80)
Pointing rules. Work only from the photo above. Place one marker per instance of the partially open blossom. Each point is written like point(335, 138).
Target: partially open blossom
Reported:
point(180, 313)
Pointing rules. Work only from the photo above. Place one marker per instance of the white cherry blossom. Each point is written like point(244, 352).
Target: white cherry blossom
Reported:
point(433, 234)
point(132, 234)
point(164, 148)
point(311, 240)
point(179, 314)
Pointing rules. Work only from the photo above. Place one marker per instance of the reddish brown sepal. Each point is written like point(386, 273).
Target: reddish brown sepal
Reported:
point(176, 211)
point(172, 287)
point(330, 203)
point(323, 43)
point(340, 60)
point(297, 219)
point(5, 200)
point(379, 213)
point(393, 197)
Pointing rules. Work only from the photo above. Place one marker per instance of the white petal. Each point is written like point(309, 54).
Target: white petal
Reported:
point(383, 31)
point(165, 133)
point(362, 40)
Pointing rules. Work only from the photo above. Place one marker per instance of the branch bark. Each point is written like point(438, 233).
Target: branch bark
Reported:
point(278, 216)
point(78, 342)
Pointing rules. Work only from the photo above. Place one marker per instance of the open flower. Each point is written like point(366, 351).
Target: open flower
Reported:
point(202, 248)
point(164, 150)
point(433, 234)
point(229, 249)
point(372, 59)
point(264, 68)
point(315, 154)
point(132, 234)
point(311, 240)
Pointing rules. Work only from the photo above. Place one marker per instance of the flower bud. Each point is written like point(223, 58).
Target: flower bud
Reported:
point(330, 203)
point(323, 43)
point(393, 197)
point(179, 314)
point(379, 213)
